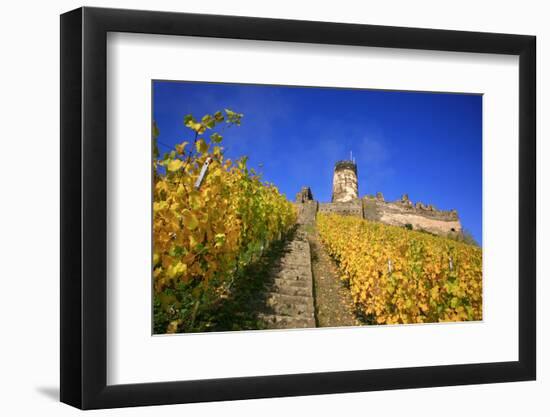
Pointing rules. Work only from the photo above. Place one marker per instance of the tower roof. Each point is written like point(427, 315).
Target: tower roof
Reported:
point(346, 165)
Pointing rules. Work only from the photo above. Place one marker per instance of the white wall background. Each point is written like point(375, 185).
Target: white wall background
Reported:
point(29, 220)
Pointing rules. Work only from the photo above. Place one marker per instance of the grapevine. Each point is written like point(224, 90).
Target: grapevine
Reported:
point(402, 276)
point(203, 235)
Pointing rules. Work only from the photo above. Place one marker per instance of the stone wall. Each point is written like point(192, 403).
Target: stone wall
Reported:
point(349, 208)
point(419, 216)
point(307, 212)
point(401, 213)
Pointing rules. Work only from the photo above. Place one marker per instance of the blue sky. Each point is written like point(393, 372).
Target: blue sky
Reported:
point(428, 145)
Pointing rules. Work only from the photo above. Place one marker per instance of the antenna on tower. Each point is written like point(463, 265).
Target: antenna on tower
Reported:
point(351, 156)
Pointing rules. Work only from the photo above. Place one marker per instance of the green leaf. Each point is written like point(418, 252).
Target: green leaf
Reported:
point(233, 117)
point(188, 119)
point(219, 239)
point(454, 302)
point(201, 145)
point(192, 124)
point(208, 121)
point(189, 219)
point(216, 137)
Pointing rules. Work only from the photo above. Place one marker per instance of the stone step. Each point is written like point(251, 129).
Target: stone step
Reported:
point(297, 274)
point(299, 267)
point(288, 305)
point(295, 253)
point(284, 282)
point(274, 321)
point(299, 311)
point(296, 261)
point(296, 246)
point(288, 299)
point(289, 288)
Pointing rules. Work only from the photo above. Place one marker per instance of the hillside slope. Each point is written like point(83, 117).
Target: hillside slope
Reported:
point(398, 275)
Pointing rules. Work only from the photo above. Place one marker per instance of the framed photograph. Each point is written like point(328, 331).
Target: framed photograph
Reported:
point(259, 208)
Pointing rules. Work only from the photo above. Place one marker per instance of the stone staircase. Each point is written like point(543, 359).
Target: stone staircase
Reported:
point(289, 291)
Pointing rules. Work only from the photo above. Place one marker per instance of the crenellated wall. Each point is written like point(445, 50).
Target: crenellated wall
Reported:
point(402, 212)
point(417, 216)
point(349, 208)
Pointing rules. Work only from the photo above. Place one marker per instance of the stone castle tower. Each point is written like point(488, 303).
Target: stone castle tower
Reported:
point(344, 183)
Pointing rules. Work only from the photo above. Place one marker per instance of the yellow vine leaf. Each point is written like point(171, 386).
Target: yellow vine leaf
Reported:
point(201, 237)
point(189, 219)
point(202, 146)
point(180, 148)
point(174, 165)
point(420, 287)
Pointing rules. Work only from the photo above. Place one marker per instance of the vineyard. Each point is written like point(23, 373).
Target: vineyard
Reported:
point(212, 217)
point(401, 276)
point(221, 234)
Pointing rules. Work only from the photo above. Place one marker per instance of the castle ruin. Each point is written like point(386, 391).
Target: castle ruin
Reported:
point(403, 212)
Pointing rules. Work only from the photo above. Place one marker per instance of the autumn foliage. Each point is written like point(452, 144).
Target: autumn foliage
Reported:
point(203, 234)
point(402, 276)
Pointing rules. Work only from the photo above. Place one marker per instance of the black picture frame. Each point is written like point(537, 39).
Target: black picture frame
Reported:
point(84, 207)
